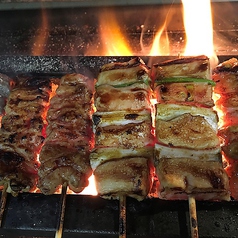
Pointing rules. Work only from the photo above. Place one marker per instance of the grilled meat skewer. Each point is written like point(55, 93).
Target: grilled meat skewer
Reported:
point(65, 154)
point(187, 151)
point(22, 134)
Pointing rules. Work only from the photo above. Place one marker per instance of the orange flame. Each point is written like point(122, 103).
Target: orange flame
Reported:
point(160, 45)
point(113, 40)
point(199, 29)
point(91, 188)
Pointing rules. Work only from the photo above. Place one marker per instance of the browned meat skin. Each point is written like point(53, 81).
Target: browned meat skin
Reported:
point(133, 63)
point(132, 98)
point(127, 176)
point(21, 134)
point(63, 163)
point(116, 73)
point(227, 90)
point(131, 135)
point(187, 131)
point(64, 157)
point(199, 94)
point(230, 65)
point(206, 180)
point(226, 82)
point(197, 67)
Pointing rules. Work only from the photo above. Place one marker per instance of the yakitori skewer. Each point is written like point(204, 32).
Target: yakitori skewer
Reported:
point(193, 217)
point(60, 225)
point(3, 204)
point(122, 217)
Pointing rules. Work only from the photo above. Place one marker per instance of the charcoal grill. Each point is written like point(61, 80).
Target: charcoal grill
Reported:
point(72, 27)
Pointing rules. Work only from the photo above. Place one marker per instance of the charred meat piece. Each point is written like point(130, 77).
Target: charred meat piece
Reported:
point(22, 133)
point(64, 157)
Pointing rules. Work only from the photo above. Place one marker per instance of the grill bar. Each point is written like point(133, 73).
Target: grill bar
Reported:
point(88, 216)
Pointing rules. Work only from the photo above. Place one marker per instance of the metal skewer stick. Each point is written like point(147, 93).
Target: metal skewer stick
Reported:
point(3, 203)
point(193, 217)
point(122, 217)
point(59, 231)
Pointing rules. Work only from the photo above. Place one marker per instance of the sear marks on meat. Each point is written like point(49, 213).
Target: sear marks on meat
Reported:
point(135, 97)
point(187, 131)
point(127, 176)
point(202, 179)
point(22, 134)
point(197, 66)
point(196, 94)
point(117, 131)
point(64, 156)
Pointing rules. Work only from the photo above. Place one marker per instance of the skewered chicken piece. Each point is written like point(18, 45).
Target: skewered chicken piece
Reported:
point(122, 157)
point(22, 133)
point(226, 91)
point(187, 151)
point(65, 154)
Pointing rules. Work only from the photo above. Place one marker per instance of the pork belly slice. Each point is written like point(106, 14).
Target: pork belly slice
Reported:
point(130, 176)
point(197, 67)
point(135, 97)
point(183, 172)
point(120, 73)
point(205, 180)
point(164, 151)
point(101, 155)
point(194, 94)
point(64, 156)
point(186, 126)
point(22, 134)
point(123, 130)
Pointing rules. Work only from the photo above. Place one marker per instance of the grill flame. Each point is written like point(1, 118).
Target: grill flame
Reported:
point(199, 29)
